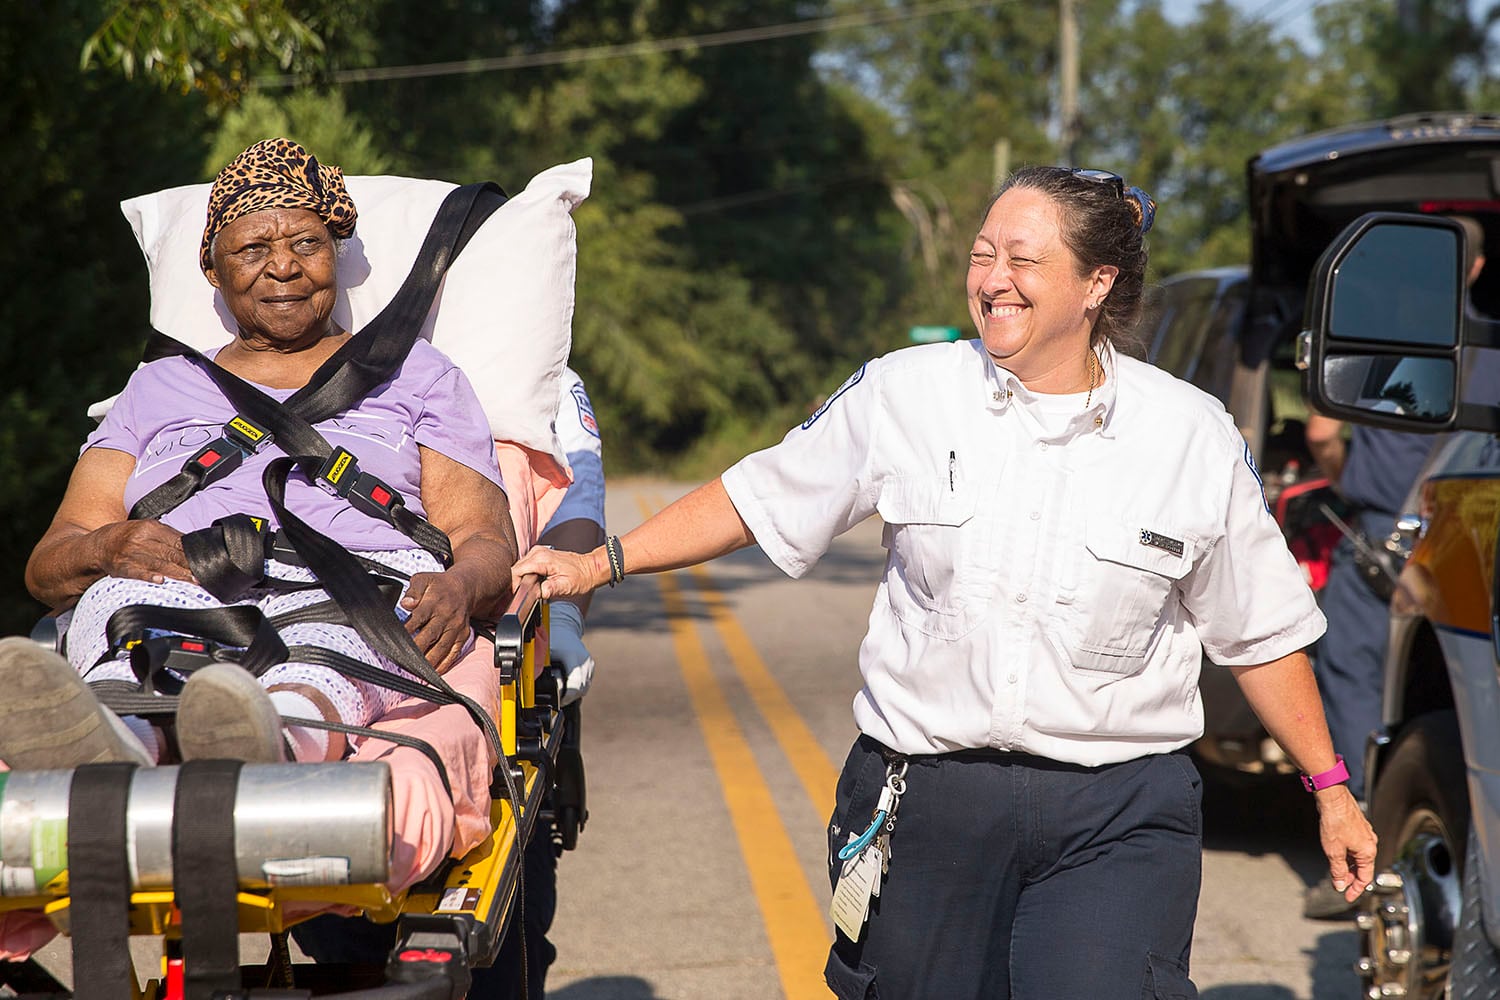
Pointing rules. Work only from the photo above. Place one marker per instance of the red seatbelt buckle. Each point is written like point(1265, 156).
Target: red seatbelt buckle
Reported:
point(216, 460)
point(338, 473)
point(188, 653)
point(374, 497)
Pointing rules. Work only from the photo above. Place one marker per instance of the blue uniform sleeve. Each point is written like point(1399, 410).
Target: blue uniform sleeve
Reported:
point(578, 430)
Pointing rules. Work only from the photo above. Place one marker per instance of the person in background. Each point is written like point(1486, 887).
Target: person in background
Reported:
point(1068, 531)
point(576, 526)
point(1374, 470)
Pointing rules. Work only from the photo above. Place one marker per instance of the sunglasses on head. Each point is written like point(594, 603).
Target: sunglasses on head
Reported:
point(1101, 177)
point(1148, 209)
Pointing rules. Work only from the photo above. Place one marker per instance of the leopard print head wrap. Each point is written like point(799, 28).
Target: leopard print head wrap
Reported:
point(276, 173)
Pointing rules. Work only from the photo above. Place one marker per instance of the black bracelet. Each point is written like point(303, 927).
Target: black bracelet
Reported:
point(616, 559)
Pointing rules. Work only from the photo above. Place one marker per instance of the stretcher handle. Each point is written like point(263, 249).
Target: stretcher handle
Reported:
point(526, 599)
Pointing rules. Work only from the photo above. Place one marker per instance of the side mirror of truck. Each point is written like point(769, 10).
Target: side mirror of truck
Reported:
point(1385, 316)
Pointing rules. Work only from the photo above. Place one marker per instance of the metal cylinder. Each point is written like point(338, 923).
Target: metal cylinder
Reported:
point(294, 824)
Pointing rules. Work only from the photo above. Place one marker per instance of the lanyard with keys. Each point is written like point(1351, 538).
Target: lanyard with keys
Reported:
point(885, 814)
point(867, 857)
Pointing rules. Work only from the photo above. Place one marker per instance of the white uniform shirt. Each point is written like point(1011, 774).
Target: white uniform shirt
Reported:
point(1046, 591)
point(578, 430)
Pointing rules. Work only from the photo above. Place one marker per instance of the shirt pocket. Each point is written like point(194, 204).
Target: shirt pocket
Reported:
point(1128, 583)
point(933, 538)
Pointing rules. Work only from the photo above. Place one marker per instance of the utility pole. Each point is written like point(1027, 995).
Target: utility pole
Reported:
point(1067, 60)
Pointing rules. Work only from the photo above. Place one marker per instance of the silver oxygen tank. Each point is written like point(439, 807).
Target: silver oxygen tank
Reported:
point(294, 824)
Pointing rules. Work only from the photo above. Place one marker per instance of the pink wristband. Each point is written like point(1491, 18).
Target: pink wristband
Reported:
point(1335, 774)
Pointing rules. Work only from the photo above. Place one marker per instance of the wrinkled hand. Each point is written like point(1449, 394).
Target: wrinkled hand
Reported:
point(439, 622)
point(565, 644)
point(145, 550)
point(564, 574)
point(1348, 841)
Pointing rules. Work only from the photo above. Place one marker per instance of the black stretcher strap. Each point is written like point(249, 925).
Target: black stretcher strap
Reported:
point(99, 882)
point(280, 549)
point(369, 673)
point(355, 591)
point(311, 451)
point(205, 876)
point(356, 369)
point(125, 698)
point(399, 739)
point(228, 557)
point(243, 625)
point(328, 612)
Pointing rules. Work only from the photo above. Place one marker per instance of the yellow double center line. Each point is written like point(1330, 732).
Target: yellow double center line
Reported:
point(793, 918)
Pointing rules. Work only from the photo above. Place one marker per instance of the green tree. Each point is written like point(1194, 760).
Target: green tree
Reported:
point(314, 118)
point(1403, 56)
point(72, 325)
point(213, 46)
point(1181, 109)
point(937, 96)
point(716, 276)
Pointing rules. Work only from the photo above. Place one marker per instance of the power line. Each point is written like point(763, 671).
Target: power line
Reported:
point(1263, 11)
point(650, 46)
point(1273, 8)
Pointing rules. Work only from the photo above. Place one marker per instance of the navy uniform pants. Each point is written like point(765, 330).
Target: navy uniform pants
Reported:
point(1013, 876)
point(1350, 658)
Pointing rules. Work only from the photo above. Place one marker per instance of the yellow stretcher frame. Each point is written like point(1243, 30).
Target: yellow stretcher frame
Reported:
point(476, 892)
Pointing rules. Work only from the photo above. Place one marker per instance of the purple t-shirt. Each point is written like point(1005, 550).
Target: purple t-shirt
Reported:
point(171, 408)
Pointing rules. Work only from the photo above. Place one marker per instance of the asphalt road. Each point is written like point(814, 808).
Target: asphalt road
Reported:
point(719, 717)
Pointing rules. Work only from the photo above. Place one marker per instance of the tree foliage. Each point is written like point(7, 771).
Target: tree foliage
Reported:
point(73, 321)
point(764, 216)
point(209, 45)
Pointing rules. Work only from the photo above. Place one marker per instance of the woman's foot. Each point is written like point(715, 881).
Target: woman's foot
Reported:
point(49, 719)
point(223, 713)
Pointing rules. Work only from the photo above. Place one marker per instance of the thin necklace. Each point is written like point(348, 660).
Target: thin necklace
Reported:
point(1088, 400)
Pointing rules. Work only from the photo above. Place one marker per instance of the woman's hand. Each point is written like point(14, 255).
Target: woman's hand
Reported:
point(440, 607)
point(144, 550)
point(1348, 840)
point(564, 574)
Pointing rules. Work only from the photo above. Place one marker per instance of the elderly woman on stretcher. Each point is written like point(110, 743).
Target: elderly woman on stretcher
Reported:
point(147, 547)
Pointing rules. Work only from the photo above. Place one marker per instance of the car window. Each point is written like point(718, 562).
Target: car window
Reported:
point(1187, 307)
point(1213, 369)
point(1285, 450)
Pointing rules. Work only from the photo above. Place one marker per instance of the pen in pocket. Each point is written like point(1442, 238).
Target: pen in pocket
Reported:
point(952, 461)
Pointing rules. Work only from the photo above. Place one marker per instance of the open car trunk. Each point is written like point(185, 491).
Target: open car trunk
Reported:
point(1304, 192)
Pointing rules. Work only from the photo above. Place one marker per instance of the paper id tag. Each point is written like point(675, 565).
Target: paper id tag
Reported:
point(851, 896)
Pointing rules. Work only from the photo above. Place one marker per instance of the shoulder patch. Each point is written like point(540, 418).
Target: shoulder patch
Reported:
point(585, 409)
point(1250, 461)
point(849, 383)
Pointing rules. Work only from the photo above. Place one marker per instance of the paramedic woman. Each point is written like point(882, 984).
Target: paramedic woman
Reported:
point(1068, 530)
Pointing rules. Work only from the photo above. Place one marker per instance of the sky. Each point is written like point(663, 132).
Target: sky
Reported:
point(1293, 17)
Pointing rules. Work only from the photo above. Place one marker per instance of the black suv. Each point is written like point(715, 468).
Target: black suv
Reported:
point(1231, 331)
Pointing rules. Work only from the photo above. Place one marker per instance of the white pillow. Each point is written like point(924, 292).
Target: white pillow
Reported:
point(504, 314)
